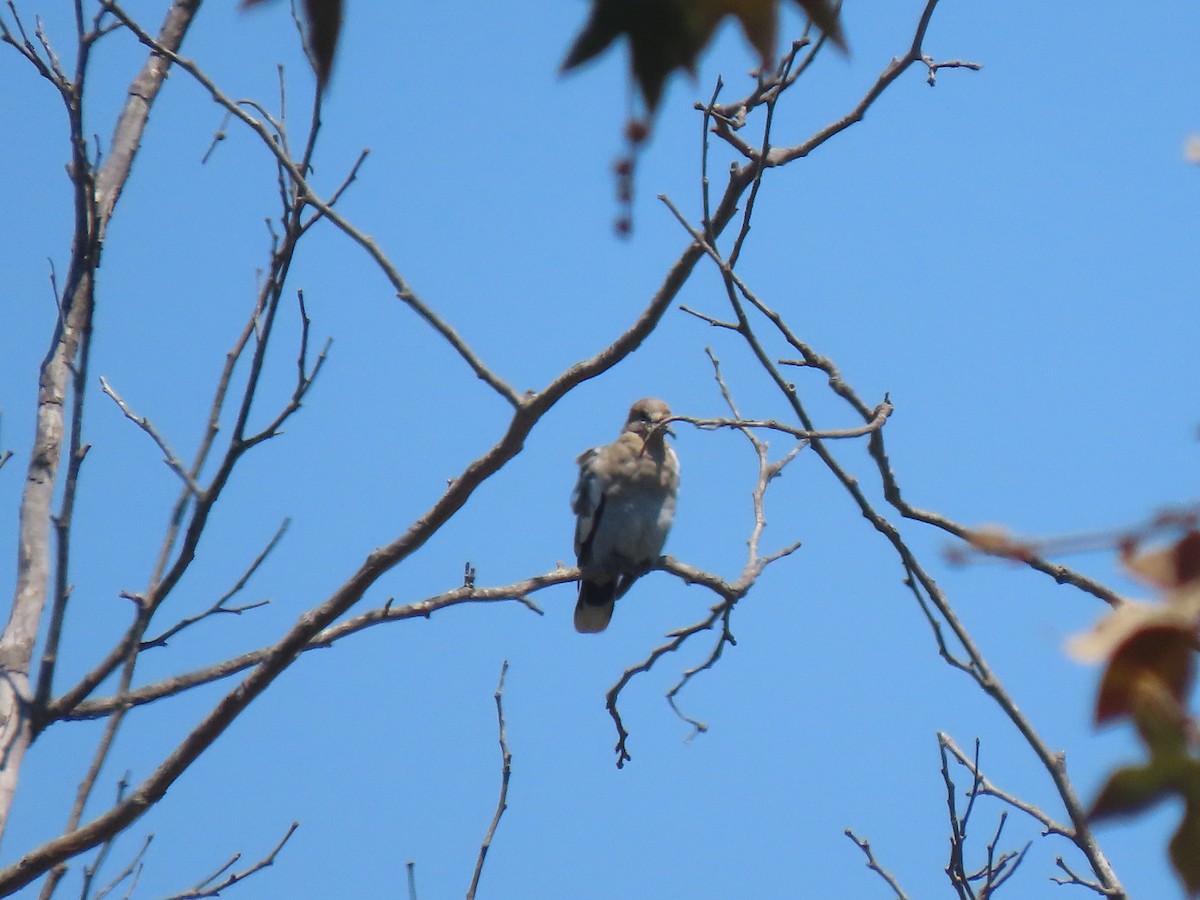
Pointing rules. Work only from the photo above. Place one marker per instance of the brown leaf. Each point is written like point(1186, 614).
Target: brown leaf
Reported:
point(1170, 567)
point(665, 35)
point(759, 20)
point(1136, 788)
point(995, 540)
point(1185, 845)
point(323, 23)
point(324, 20)
point(1100, 642)
point(825, 15)
point(660, 40)
point(1130, 790)
point(1187, 559)
point(1148, 675)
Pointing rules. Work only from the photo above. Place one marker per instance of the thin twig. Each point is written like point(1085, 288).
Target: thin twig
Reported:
point(411, 870)
point(169, 457)
point(920, 581)
point(133, 868)
point(955, 867)
point(984, 786)
point(1076, 879)
point(882, 412)
point(873, 864)
point(516, 592)
point(505, 773)
point(206, 888)
point(403, 291)
point(219, 606)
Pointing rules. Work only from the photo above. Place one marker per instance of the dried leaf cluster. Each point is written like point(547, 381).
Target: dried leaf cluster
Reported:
point(1148, 651)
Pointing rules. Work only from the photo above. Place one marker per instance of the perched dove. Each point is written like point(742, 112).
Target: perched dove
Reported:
point(624, 500)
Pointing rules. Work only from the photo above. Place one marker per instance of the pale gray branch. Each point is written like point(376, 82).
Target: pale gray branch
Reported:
point(505, 774)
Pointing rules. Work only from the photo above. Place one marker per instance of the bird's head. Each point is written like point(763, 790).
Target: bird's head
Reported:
point(646, 418)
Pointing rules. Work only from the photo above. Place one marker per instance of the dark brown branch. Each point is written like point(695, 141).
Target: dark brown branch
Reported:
point(921, 582)
point(956, 867)
point(917, 578)
point(87, 784)
point(934, 67)
point(1001, 868)
point(49, 67)
point(730, 593)
point(716, 323)
point(89, 871)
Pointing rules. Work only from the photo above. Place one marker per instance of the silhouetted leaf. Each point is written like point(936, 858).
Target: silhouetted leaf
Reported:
point(323, 24)
point(665, 35)
point(660, 40)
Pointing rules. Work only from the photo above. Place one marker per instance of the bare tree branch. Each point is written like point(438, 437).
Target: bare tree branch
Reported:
point(294, 172)
point(882, 411)
point(517, 592)
point(209, 887)
point(1076, 879)
point(931, 600)
point(410, 868)
point(918, 580)
point(97, 188)
point(95, 200)
point(730, 593)
point(219, 606)
point(173, 462)
point(983, 786)
point(134, 867)
point(873, 864)
point(779, 156)
point(505, 773)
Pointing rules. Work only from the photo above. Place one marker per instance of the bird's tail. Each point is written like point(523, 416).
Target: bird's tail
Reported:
point(594, 609)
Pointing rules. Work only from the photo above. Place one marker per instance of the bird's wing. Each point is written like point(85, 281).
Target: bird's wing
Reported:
point(587, 501)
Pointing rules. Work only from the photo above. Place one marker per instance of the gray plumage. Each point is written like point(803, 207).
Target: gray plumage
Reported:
point(624, 502)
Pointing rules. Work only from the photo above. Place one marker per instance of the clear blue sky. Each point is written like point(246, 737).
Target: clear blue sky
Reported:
point(1012, 255)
